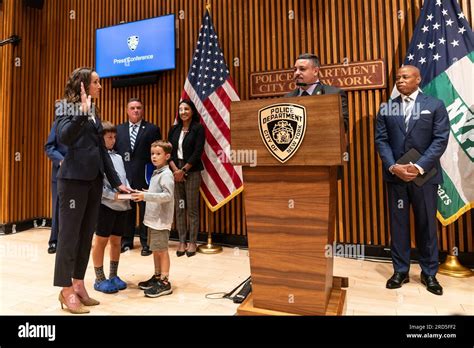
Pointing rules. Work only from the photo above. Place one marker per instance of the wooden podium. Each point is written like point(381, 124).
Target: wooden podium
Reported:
point(290, 206)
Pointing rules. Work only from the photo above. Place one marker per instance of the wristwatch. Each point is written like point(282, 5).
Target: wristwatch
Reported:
point(184, 170)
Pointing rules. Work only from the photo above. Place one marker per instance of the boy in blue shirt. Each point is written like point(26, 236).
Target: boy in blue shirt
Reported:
point(112, 222)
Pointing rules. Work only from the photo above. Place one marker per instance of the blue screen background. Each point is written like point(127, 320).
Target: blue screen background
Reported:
point(156, 37)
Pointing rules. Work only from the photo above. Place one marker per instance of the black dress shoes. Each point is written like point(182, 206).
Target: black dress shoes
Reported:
point(52, 248)
point(397, 280)
point(180, 253)
point(190, 253)
point(146, 251)
point(431, 284)
point(125, 248)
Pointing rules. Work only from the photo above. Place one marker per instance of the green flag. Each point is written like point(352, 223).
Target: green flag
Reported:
point(442, 48)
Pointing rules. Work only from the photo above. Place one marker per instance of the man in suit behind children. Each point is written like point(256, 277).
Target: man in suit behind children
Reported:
point(134, 139)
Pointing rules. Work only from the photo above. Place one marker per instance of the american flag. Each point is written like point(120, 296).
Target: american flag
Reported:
point(442, 48)
point(442, 37)
point(211, 89)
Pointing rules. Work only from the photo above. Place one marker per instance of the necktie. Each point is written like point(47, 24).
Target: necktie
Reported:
point(133, 136)
point(407, 111)
point(304, 93)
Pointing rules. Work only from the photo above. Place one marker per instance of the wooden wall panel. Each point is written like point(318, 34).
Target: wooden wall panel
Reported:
point(262, 34)
point(6, 27)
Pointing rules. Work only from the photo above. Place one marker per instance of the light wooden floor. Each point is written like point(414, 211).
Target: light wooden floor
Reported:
point(26, 272)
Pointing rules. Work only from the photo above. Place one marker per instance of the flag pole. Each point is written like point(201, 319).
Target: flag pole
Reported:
point(209, 248)
point(451, 266)
point(214, 190)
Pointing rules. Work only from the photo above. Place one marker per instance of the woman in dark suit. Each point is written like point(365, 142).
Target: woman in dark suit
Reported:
point(187, 138)
point(80, 179)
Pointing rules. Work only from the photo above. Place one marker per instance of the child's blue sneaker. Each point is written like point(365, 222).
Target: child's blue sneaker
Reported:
point(105, 286)
point(119, 283)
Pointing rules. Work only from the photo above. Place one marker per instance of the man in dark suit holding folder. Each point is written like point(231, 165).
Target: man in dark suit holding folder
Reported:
point(420, 122)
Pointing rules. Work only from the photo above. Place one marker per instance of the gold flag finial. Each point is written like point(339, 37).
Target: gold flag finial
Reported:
point(208, 5)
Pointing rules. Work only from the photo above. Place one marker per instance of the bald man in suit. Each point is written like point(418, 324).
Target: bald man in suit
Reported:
point(417, 121)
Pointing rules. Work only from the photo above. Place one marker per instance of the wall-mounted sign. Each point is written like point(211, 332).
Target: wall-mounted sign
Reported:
point(351, 76)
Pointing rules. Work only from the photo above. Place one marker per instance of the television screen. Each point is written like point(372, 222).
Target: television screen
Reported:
point(136, 47)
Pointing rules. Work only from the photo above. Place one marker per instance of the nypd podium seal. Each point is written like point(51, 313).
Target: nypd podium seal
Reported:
point(282, 128)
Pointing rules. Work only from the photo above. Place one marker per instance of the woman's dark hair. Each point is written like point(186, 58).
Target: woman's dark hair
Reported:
point(72, 91)
point(193, 109)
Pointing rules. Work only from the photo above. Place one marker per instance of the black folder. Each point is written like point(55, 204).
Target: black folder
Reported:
point(413, 156)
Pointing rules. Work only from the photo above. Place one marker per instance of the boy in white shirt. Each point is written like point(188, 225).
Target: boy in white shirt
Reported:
point(158, 218)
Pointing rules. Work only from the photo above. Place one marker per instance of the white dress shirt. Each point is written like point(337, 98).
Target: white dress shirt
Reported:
point(310, 89)
point(180, 144)
point(409, 107)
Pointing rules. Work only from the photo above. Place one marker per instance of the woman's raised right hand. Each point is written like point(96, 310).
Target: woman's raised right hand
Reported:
point(86, 100)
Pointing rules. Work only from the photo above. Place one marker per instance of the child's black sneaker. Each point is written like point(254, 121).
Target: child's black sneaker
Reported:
point(159, 289)
point(148, 284)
